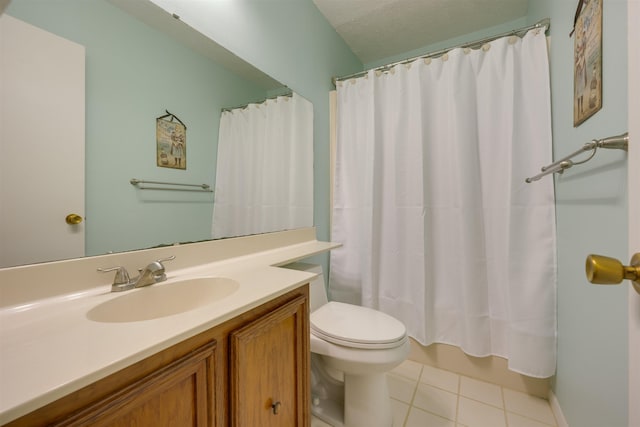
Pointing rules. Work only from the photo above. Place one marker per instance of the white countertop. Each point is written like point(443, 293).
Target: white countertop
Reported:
point(49, 348)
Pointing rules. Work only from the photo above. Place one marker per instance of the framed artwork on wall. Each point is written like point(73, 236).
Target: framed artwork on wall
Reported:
point(587, 64)
point(171, 142)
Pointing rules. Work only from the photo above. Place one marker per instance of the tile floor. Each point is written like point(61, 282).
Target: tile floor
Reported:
point(424, 396)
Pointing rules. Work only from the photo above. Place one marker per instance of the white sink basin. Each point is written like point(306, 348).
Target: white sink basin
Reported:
point(163, 300)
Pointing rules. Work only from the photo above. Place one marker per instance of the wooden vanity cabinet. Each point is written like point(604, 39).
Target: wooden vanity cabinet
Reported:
point(252, 370)
point(266, 385)
point(179, 394)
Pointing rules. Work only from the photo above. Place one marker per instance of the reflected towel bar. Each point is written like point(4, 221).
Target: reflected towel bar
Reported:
point(202, 187)
point(618, 142)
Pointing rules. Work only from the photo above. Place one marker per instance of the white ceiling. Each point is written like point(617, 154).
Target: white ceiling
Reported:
point(377, 29)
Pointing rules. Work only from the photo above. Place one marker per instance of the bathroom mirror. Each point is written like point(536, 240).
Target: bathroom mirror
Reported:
point(140, 63)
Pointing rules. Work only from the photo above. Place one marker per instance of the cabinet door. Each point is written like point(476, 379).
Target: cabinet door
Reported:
point(270, 369)
point(180, 394)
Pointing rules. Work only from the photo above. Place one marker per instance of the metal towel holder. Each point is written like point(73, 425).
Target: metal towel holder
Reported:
point(618, 142)
point(202, 187)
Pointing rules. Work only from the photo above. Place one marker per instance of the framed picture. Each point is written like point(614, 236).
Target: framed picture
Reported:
point(587, 64)
point(171, 144)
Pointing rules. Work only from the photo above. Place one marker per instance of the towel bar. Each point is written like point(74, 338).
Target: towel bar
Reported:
point(202, 187)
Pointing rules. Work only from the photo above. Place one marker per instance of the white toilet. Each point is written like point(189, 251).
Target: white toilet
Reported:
point(352, 349)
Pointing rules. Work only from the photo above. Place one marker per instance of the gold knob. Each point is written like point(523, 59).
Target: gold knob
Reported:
point(73, 219)
point(603, 270)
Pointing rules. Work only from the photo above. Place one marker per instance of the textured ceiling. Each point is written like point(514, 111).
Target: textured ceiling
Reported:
point(377, 29)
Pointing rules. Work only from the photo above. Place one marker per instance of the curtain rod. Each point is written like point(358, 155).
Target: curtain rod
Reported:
point(287, 94)
point(544, 23)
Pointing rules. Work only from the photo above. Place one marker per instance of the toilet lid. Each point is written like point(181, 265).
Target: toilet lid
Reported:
point(355, 326)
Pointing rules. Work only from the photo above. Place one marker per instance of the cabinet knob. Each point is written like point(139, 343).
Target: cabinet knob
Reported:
point(275, 407)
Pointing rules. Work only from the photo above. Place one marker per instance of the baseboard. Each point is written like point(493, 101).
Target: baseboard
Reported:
point(557, 411)
point(492, 369)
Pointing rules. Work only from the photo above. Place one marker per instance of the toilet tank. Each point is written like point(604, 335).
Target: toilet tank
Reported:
point(317, 290)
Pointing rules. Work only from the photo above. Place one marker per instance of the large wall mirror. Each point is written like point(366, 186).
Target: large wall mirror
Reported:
point(140, 62)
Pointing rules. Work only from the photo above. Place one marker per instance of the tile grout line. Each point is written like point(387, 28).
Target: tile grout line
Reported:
point(456, 420)
point(528, 417)
point(504, 406)
point(413, 396)
point(458, 399)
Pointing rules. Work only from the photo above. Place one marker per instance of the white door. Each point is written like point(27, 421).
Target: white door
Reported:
point(42, 99)
point(633, 186)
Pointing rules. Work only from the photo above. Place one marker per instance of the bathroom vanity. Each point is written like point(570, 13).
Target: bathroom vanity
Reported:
point(240, 359)
point(251, 370)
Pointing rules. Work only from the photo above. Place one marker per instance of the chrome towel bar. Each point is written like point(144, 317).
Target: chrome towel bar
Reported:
point(618, 142)
point(202, 187)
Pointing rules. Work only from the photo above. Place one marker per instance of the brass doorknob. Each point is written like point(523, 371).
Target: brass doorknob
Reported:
point(602, 270)
point(73, 219)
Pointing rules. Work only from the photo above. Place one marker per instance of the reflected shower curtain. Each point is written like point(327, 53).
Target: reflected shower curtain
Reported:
point(439, 227)
point(264, 172)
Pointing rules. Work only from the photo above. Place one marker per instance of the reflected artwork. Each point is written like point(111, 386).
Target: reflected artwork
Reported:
point(171, 141)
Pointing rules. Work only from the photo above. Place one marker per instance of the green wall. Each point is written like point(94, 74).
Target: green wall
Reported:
point(591, 199)
point(133, 74)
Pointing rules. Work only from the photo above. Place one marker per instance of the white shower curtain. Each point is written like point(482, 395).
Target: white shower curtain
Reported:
point(264, 172)
point(439, 227)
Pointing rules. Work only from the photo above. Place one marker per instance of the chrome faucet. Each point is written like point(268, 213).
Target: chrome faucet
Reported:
point(152, 273)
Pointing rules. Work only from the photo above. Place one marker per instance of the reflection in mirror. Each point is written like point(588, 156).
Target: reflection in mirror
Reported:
point(264, 178)
point(139, 63)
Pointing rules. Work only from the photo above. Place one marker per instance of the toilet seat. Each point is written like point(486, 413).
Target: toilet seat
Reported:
point(357, 327)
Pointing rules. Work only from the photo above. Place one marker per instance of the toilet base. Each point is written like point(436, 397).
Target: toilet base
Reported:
point(367, 401)
point(327, 394)
point(329, 411)
point(359, 400)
